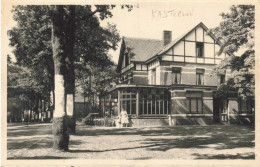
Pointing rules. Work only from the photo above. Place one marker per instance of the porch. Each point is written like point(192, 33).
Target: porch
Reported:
point(140, 101)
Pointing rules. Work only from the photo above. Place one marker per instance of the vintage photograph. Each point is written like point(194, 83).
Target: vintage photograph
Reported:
point(137, 81)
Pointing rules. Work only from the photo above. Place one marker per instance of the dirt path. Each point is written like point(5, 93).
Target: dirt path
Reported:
point(183, 142)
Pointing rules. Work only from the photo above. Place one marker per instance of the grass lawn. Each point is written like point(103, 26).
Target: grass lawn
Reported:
point(181, 142)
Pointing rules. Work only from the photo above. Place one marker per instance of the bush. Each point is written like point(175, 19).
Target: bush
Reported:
point(89, 119)
point(109, 122)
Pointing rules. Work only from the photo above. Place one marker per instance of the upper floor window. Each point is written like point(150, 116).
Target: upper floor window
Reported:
point(199, 49)
point(200, 76)
point(140, 67)
point(153, 77)
point(176, 75)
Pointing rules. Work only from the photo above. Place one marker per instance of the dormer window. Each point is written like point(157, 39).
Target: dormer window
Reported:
point(199, 49)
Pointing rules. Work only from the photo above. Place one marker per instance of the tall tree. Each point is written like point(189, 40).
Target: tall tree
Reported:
point(59, 44)
point(42, 37)
point(236, 32)
point(70, 74)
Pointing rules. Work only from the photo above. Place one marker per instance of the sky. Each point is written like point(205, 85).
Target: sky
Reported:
point(148, 20)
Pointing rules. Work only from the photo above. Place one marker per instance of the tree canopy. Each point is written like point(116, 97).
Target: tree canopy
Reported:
point(31, 39)
point(236, 33)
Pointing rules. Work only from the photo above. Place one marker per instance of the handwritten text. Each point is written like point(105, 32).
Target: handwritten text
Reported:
point(171, 13)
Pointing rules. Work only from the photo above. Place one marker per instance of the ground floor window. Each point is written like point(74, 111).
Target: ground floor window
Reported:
point(194, 102)
point(195, 105)
point(145, 101)
point(246, 105)
point(128, 101)
point(153, 102)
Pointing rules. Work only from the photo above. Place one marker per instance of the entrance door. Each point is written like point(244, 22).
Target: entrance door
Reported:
point(223, 112)
point(220, 111)
point(216, 109)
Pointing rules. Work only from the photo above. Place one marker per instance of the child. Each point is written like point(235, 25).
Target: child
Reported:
point(124, 118)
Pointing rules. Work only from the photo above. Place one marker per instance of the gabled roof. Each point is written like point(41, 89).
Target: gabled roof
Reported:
point(142, 48)
point(147, 49)
point(171, 44)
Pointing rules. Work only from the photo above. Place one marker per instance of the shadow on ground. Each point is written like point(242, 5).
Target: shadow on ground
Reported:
point(159, 139)
point(39, 157)
point(226, 156)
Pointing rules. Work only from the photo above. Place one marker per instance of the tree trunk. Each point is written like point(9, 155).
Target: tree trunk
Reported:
point(39, 108)
point(44, 109)
point(36, 109)
point(52, 103)
point(30, 108)
point(85, 113)
point(90, 94)
point(59, 127)
point(70, 80)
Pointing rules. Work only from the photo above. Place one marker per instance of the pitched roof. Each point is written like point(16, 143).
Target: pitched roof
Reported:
point(143, 48)
point(147, 49)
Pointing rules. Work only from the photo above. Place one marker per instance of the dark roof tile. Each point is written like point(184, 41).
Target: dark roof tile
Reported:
point(143, 48)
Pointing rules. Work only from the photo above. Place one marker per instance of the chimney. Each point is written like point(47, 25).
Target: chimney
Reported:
point(167, 37)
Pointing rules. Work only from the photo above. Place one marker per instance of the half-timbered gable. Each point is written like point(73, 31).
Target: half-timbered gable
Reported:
point(193, 50)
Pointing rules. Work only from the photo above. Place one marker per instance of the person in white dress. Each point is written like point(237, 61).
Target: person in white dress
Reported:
point(124, 118)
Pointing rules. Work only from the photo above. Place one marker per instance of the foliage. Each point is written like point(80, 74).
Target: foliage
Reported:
point(95, 79)
point(236, 33)
point(22, 90)
point(32, 46)
point(31, 39)
point(33, 73)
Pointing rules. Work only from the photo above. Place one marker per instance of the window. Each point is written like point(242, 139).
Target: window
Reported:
point(200, 76)
point(176, 75)
point(138, 67)
point(221, 79)
point(144, 67)
point(153, 102)
point(153, 77)
point(195, 103)
point(128, 101)
point(246, 105)
point(199, 49)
